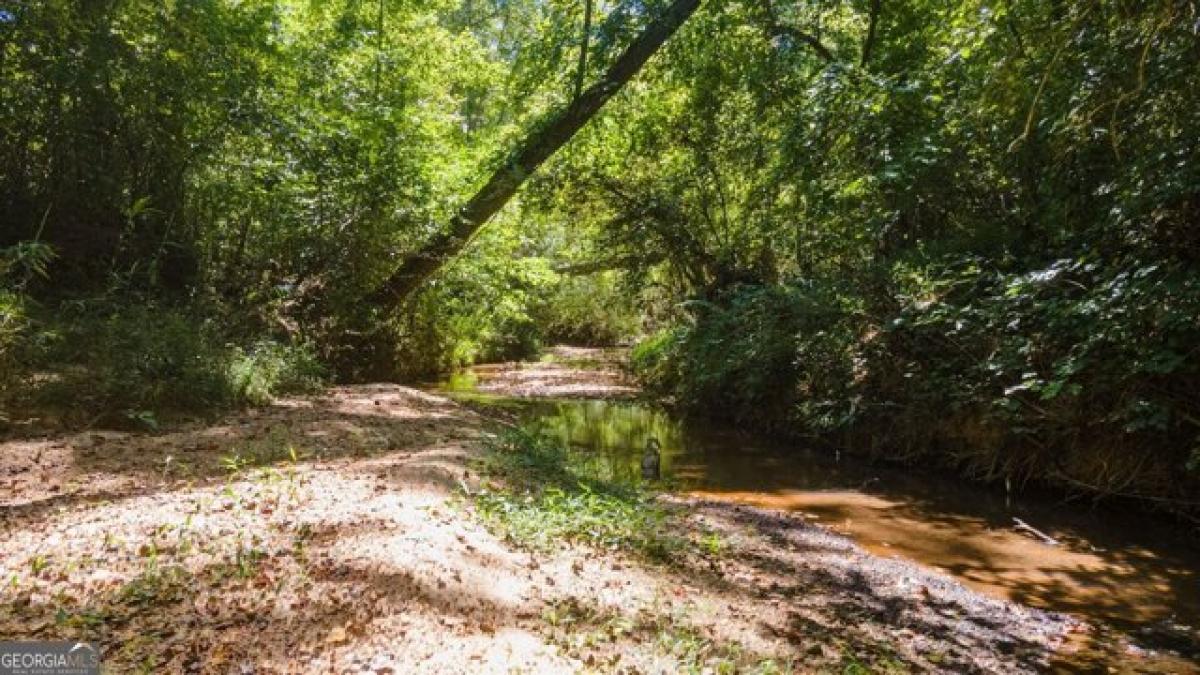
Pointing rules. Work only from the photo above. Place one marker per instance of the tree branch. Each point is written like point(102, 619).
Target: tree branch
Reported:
point(581, 71)
point(802, 37)
point(872, 30)
point(542, 142)
point(776, 29)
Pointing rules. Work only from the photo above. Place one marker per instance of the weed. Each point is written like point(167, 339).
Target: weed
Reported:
point(234, 463)
point(853, 662)
point(84, 620)
point(246, 560)
point(594, 636)
point(548, 498)
point(712, 544)
point(156, 585)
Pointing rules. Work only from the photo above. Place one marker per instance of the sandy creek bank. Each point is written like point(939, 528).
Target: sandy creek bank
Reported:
point(331, 534)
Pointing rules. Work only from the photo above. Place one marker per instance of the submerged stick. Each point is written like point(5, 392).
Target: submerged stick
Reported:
point(1046, 539)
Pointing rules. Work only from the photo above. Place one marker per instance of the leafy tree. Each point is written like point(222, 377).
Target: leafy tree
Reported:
point(956, 232)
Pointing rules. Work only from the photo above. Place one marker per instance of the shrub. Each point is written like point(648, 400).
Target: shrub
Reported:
point(1078, 372)
point(269, 368)
point(120, 363)
point(126, 364)
point(19, 264)
point(651, 359)
point(588, 310)
point(763, 355)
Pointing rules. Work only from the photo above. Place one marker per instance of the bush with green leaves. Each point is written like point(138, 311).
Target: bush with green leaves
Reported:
point(651, 358)
point(1079, 370)
point(1079, 373)
point(118, 364)
point(269, 368)
point(762, 354)
point(593, 309)
point(19, 264)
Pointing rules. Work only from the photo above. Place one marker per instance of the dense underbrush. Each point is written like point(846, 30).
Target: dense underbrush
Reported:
point(127, 357)
point(128, 364)
point(1078, 373)
point(487, 311)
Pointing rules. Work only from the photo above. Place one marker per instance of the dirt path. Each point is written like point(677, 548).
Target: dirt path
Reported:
point(330, 534)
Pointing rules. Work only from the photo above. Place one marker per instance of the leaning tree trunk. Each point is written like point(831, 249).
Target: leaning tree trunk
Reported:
point(536, 148)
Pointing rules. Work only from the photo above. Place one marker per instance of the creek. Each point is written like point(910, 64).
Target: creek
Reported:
point(1134, 579)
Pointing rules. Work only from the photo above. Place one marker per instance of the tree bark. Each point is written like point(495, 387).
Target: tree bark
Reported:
point(872, 28)
point(545, 139)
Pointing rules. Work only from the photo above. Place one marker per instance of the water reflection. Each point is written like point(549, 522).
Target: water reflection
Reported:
point(613, 435)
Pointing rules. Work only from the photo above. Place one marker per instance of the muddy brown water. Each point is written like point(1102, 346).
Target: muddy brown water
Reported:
point(1136, 580)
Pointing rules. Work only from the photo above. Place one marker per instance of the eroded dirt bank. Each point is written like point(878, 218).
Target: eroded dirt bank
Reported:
point(330, 534)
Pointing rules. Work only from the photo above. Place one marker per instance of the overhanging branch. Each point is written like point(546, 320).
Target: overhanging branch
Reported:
point(536, 148)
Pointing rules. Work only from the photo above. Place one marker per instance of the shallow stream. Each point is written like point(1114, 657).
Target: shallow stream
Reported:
point(1127, 574)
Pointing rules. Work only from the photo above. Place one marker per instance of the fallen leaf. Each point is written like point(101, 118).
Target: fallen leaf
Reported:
point(336, 636)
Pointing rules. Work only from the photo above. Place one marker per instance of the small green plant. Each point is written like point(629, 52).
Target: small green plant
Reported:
point(85, 620)
point(234, 463)
point(246, 560)
point(558, 615)
point(156, 585)
point(587, 632)
point(547, 498)
point(712, 544)
point(38, 564)
point(174, 467)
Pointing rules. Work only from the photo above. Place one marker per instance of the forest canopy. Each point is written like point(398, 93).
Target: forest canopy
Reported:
point(956, 232)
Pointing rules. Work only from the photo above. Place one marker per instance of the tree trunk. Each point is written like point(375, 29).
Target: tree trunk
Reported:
point(581, 71)
point(538, 146)
point(872, 28)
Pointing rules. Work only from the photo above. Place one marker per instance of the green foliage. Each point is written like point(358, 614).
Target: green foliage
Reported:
point(651, 359)
point(19, 264)
point(267, 163)
point(588, 310)
point(970, 240)
point(105, 110)
point(477, 310)
point(1078, 372)
point(765, 355)
point(768, 350)
point(132, 359)
point(118, 364)
point(548, 497)
point(1040, 348)
point(269, 368)
point(967, 234)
